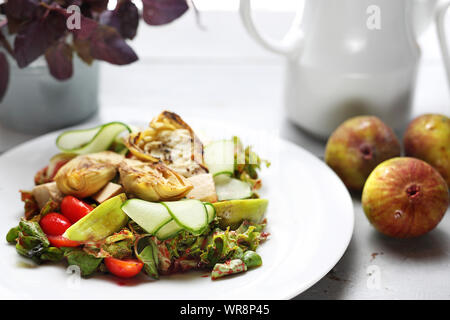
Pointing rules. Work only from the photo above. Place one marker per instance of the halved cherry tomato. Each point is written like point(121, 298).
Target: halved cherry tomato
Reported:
point(123, 268)
point(74, 209)
point(58, 166)
point(54, 224)
point(60, 241)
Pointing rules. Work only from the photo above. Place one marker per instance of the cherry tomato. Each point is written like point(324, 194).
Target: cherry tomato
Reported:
point(74, 209)
point(58, 166)
point(54, 224)
point(60, 241)
point(123, 268)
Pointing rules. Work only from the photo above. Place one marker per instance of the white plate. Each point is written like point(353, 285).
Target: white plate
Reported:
point(310, 218)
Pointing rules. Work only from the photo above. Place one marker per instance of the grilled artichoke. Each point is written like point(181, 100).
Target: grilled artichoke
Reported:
point(152, 181)
point(85, 175)
point(169, 140)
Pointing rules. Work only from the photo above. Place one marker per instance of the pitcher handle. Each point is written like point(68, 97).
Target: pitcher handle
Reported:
point(291, 42)
point(442, 35)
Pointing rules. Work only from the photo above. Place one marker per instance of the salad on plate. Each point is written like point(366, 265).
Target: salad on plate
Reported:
point(155, 200)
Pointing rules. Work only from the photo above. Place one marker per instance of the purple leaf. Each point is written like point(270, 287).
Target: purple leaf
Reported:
point(30, 43)
point(158, 12)
point(96, 5)
point(4, 75)
point(83, 50)
point(67, 3)
point(59, 60)
point(21, 9)
point(36, 36)
point(87, 28)
point(124, 18)
point(107, 45)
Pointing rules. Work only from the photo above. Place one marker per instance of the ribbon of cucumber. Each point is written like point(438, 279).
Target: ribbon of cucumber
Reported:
point(190, 214)
point(219, 157)
point(169, 230)
point(92, 140)
point(151, 216)
point(231, 189)
point(211, 211)
point(172, 228)
point(167, 219)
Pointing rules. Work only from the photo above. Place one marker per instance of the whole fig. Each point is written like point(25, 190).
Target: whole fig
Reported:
point(357, 146)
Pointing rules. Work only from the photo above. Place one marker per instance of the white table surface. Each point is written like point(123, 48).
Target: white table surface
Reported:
point(220, 72)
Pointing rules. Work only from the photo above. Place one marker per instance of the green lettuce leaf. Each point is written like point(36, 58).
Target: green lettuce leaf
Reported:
point(228, 268)
point(147, 252)
point(12, 235)
point(87, 263)
point(33, 229)
point(247, 164)
point(31, 242)
point(119, 245)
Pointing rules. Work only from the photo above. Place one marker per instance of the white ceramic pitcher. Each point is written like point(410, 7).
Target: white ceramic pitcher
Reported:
point(349, 57)
point(443, 37)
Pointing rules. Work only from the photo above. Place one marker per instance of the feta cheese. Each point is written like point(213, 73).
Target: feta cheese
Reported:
point(108, 191)
point(45, 192)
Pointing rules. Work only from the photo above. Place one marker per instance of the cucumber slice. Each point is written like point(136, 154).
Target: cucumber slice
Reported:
point(101, 222)
point(90, 140)
point(172, 228)
point(219, 157)
point(211, 211)
point(231, 189)
point(150, 216)
point(189, 214)
point(169, 230)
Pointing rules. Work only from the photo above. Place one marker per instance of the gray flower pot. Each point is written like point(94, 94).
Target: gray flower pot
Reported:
point(36, 102)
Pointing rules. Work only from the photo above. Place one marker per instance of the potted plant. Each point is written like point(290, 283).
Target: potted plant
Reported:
point(65, 37)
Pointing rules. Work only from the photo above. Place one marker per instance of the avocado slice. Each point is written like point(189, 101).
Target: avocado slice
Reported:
point(231, 213)
point(101, 222)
